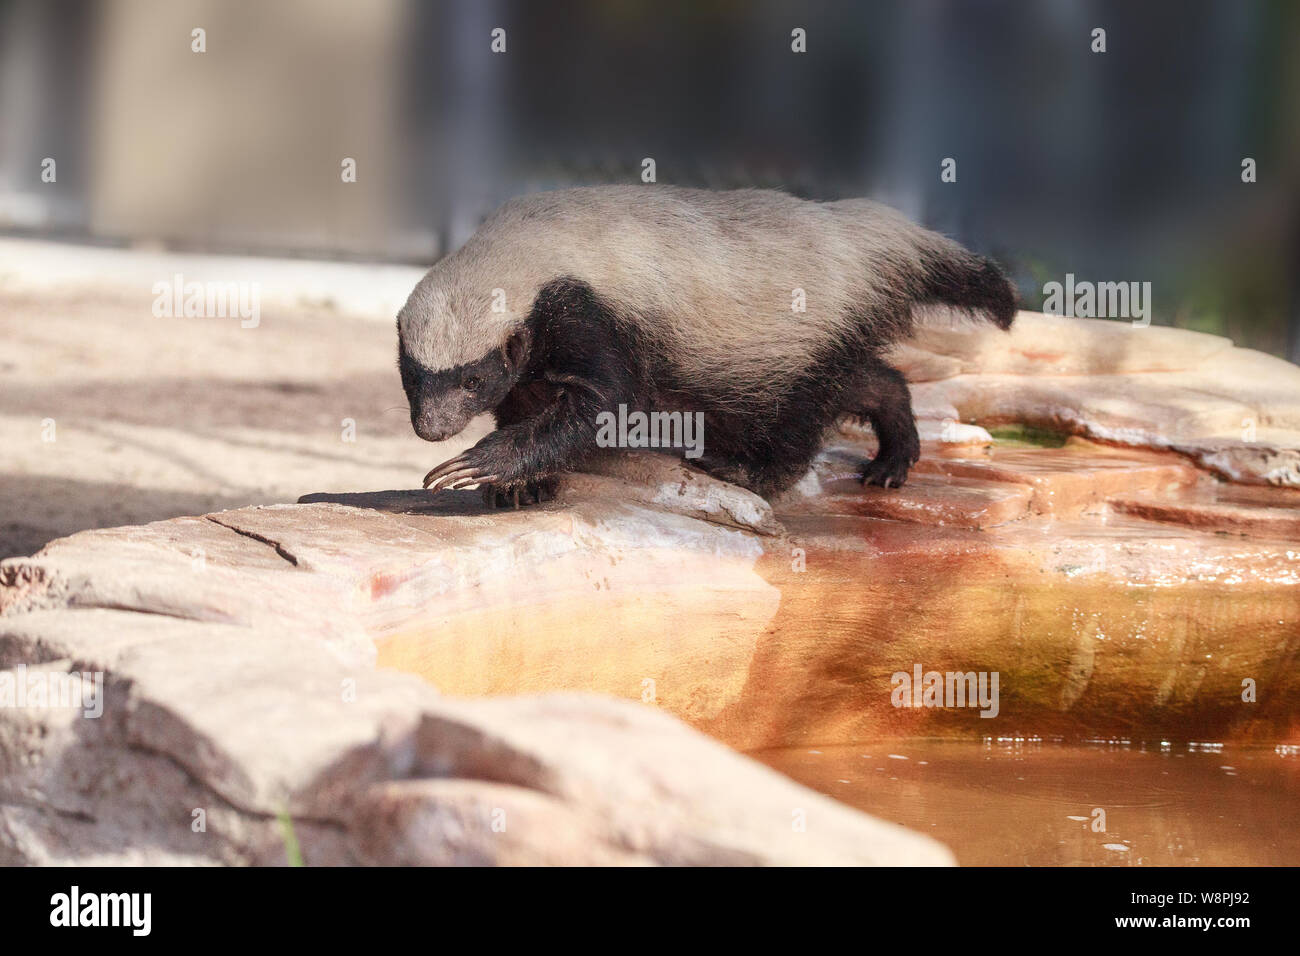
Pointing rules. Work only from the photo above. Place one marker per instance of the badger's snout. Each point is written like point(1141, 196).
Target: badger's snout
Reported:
point(437, 423)
point(429, 429)
point(443, 402)
point(440, 408)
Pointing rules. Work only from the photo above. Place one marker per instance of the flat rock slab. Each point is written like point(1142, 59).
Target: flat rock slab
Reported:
point(237, 658)
point(1227, 509)
point(1068, 481)
point(1097, 622)
point(1032, 563)
point(927, 499)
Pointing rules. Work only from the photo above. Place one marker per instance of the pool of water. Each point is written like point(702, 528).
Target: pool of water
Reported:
point(1028, 802)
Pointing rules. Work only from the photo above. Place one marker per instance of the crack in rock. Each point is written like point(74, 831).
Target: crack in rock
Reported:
point(279, 548)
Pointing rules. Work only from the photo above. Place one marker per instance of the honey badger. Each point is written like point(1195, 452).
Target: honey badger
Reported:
point(567, 304)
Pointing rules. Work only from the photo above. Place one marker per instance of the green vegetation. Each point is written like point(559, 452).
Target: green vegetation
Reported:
point(292, 852)
point(1028, 436)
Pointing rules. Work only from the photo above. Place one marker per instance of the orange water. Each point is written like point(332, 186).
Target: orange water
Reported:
point(1042, 803)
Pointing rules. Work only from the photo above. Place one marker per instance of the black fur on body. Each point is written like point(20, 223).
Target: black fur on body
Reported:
point(576, 355)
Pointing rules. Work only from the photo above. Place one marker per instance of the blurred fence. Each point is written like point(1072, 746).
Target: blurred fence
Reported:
point(1118, 165)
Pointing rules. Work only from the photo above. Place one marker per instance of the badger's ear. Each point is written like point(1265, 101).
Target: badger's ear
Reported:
point(515, 351)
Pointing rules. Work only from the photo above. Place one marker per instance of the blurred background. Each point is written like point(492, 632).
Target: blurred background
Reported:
point(1122, 165)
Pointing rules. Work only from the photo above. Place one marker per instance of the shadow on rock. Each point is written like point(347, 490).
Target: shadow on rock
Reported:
point(412, 501)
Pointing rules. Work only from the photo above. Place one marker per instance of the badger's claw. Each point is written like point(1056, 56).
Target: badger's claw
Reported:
point(497, 466)
point(458, 472)
point(516, 493)
point(887, 471)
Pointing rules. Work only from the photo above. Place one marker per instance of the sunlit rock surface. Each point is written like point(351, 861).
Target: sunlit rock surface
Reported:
point(240, 686)
point(1235, 412)
point(213, 733)
point(1118, 588)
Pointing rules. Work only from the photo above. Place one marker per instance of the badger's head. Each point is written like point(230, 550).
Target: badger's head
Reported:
point(458, 356)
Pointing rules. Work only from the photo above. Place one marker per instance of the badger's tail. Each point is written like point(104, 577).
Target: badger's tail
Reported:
point(956, 277)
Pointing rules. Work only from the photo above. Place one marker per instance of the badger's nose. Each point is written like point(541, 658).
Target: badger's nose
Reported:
point(433, 434)
point(438, 422)
point(429, 428)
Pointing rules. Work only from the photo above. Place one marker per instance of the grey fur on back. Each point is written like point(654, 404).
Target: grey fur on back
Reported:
point(707, 277)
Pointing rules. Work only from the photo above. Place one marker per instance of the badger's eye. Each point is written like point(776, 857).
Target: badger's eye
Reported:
point(470, 383)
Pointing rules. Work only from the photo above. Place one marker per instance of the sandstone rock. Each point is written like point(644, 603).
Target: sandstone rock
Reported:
point(1269, 385)
point(936, 422)
point(1040, 344)
point(373, 766)
point(1262, 462)
point(1233, 411)
point(662, 481)
point(672, 795)
point(761, 640)
point(1129, 410)
point(191, 568)
point(1153, 411)
point(673, 593)
point(921, 365)
point(927, 500)
point(1229, 509)
point(1074, 479)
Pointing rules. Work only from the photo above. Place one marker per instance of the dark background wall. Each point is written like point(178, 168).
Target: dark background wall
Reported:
point(1123, 165)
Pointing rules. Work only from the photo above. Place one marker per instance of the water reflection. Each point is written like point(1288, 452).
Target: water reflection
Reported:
point(1024, 801)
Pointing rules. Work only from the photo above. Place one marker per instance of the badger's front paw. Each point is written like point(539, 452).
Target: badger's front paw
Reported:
point(489, 462)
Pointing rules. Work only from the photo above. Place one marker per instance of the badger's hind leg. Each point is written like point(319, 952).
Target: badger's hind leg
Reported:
point(880, 395)
point(768, 454)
